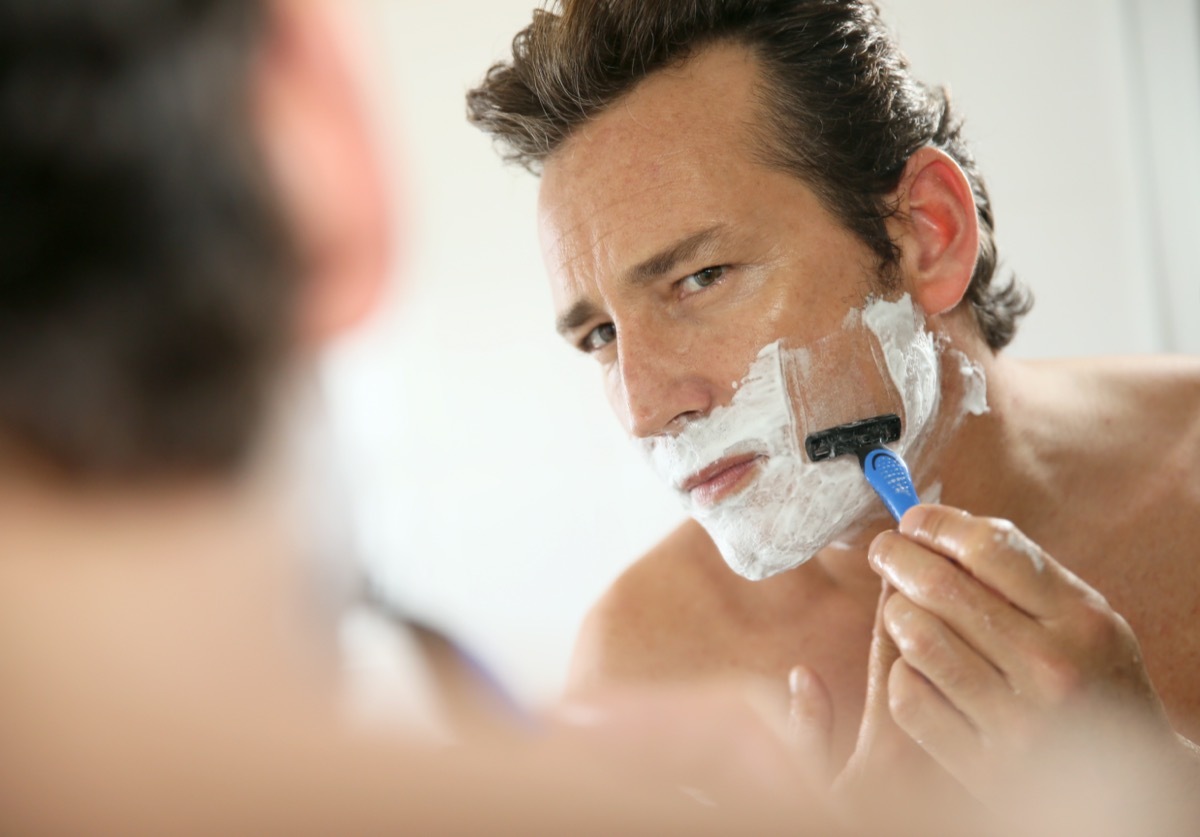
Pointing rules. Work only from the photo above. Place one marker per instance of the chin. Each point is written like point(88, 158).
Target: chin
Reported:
point(759, 553)
point(762, 562)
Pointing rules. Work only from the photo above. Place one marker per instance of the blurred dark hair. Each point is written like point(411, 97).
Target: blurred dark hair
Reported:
point(146, 275)
point(843, 112)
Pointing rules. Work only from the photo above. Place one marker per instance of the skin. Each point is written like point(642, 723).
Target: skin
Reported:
point(162, 666)
point(972, 653)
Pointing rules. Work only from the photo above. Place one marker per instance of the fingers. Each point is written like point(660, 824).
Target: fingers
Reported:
point(996, 553)
point(882, 655)
point(888, 769)
point(1047, 631)
point(933, 722)
point(983, 619)
point(999, 642)
point(883, 651)
point(934, 651)
point(879, 739)
point(810, 725)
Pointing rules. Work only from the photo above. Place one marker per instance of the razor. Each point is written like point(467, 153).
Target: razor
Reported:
point(884, 469)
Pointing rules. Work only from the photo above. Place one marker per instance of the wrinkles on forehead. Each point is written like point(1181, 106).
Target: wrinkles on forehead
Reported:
point(586, 203)
point(605, 219)
point(674, 158)
point(584, 231)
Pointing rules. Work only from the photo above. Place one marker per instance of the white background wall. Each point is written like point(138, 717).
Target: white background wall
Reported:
point(494, 492)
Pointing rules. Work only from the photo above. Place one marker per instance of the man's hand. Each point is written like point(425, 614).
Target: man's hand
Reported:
point(999, 645)
point(881, 745)
point(889, 784)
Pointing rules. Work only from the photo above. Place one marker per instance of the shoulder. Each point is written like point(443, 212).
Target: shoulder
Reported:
point(651, 623)
point(1134, 439)
point(1171, 376)
point(1155, 400)
point(1164, 379)
point(1134, 401)
point(1141, 415)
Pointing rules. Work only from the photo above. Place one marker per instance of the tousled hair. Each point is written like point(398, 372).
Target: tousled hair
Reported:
point(146, 273)
point(842, 110)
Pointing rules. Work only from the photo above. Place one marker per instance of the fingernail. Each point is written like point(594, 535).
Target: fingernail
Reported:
point(800, 682)
point(914, 519)
point(875, 555)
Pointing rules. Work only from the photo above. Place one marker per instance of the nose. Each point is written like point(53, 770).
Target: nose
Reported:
point(658, 383)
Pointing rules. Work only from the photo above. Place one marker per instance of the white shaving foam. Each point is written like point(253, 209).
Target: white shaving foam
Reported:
point(1014, 539)
point(974, 400)
point(793, 508)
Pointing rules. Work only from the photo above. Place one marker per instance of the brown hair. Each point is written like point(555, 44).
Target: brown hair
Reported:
point(146, 273)
point(843, 110)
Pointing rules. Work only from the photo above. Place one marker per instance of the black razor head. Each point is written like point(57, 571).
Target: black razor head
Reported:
point(853, 437)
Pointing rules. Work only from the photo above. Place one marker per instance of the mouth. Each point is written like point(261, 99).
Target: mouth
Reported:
point(721, 479)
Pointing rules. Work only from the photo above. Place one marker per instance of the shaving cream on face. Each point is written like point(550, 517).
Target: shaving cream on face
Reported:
point(974, 400)
point(792, 508)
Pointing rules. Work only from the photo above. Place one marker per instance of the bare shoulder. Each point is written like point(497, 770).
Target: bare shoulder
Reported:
point(1171, 381)
point(654, 622)
point(1137, 423)
point(1146, 405)
point(1156, 399)
point(1172, 377)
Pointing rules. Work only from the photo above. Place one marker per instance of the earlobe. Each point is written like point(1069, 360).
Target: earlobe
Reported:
point(939, 239)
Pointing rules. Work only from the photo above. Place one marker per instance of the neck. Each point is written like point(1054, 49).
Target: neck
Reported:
point(990, 464)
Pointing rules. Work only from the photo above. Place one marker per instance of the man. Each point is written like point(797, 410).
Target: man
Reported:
point(191, 208)
point(761, 226)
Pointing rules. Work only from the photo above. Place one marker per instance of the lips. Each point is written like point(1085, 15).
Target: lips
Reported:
point(716, 482)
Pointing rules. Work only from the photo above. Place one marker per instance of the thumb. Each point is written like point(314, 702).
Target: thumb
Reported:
point(877, 717)
point(878, 734)
point(810, 725)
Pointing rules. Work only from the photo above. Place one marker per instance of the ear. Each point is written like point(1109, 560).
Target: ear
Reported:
point(320, 145)
point(938, 230)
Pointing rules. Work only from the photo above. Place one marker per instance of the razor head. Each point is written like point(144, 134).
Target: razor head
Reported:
point(852, 438)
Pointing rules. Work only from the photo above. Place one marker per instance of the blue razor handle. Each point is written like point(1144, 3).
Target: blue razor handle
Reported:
point(888, 475)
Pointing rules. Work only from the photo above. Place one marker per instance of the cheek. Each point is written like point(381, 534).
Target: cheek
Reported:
point(800, 316)
point(836, 381)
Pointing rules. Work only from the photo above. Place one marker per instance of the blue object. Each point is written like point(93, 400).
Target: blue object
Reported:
point(888, 475)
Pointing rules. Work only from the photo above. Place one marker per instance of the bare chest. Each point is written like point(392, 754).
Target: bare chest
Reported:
point(764, 639)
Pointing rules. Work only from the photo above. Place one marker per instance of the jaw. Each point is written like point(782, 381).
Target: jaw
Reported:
point(792, 509)
point(964, 410)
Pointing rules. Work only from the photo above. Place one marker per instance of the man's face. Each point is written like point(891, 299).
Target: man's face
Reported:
point(678, 259)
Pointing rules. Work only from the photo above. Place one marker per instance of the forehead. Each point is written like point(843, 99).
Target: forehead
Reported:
point(674, 156)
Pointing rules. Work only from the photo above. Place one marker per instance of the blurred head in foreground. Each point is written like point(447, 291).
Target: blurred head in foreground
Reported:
point(190, 207)
point(188, 204)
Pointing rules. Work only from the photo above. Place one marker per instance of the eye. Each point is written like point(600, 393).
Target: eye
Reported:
point(598, 338)
point(702, 279)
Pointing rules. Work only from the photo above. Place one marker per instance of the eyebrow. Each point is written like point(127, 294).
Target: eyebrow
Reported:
point(666, 260)
point(576, 315)
point(645, 272)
